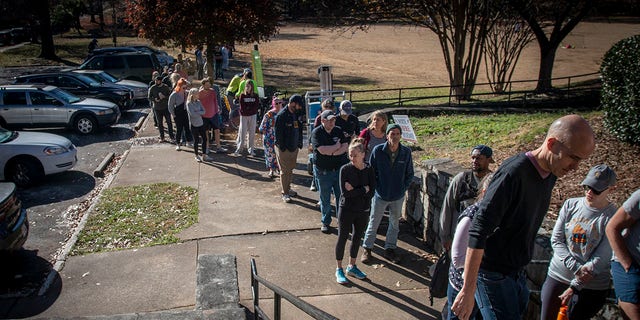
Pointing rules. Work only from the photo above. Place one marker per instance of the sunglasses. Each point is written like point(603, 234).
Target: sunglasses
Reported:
point(597, 193)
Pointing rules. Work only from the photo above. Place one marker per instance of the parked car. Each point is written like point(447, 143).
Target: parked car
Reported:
point(164, 58)
point(20, 34)
point(140, 90)
point(39, 106)
point(83, 86)
point(125, 65)
point(5, 37)
point(27, 156)
point(14, 224)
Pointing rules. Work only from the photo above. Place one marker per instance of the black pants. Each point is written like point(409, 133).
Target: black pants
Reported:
point(182, 125)
point(160, 115)
point(584, 304)
point(201, 133)
point(354, 222)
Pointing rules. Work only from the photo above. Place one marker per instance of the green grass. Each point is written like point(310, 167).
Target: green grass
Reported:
point(138, 216)
point(453, 135)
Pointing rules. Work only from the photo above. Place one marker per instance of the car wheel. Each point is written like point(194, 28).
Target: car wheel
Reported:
point(25, 172)
point(85, 124)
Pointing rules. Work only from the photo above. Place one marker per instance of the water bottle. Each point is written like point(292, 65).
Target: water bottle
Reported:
point(563, 313)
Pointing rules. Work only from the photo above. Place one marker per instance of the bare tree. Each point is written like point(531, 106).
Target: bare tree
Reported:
point(551, 21)
point(504, 44)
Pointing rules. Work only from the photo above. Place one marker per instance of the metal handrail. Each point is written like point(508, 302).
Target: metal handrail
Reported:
point(280, 293)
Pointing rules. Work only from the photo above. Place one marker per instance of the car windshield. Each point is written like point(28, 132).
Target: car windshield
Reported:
point(66, 96)
point(89, 80)
point(108, 77)
point(6, 135)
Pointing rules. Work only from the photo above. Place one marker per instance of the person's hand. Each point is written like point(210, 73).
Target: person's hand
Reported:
point(566, 296)
point(463, 304)
point(584, 275)
point(366, 189)
point(348, 186)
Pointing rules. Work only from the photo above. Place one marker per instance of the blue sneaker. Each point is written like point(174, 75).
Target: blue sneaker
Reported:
point(355, 272)
point(340, 278)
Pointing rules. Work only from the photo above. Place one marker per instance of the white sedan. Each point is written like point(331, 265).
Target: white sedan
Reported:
point(26, 157)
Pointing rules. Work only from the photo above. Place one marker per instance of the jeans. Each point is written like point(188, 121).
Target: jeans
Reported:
point(328, 181)
point(161, 115)
point(501, 296)
point(452, 293)
point(377, 210)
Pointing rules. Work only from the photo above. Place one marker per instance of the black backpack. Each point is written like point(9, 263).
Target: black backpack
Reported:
point(440, 278)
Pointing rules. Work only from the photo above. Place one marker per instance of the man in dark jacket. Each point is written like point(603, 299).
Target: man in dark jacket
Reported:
point(288, 142)
point(159, 95)
point(394, 172)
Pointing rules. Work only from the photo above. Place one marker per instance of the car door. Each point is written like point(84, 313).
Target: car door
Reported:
point(15, 109)
point(75, 86)
point(47, 109)
point(115, 65)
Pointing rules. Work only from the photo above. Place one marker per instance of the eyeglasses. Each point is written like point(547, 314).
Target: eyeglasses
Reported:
point(597, 193)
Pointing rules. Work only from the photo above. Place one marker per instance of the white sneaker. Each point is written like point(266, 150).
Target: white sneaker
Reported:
point(286, 198)
point(190, 144)
point(178, 148)
point(198, 159)
point(252, 152)
point(236, 153)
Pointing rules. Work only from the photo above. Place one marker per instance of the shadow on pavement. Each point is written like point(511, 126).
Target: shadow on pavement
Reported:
point(58, 187)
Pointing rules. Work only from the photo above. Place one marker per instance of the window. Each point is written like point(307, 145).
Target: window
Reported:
point(139, 61)
point(113, 63)
point(68, 82)
point(40, 98)
point(15, 98)
point(96, 64)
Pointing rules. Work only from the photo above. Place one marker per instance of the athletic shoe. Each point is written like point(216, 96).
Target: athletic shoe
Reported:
point(206, 151)
point(236, 153)
point(292, 193)
point(366, 256)
point(355, 272)
point(252, 152)
point(313, 187)
point(390, 255)
point(198, 159)
point(325, 229)
point(178, 148)
point(222, 150)
point(340, 278)
point(286, 198)
point(270, 175)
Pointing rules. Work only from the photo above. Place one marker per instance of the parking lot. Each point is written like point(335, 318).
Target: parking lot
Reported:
point(56, 205)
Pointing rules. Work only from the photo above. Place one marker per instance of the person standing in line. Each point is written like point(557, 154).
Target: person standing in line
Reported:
point(247, 77)
point(178, 110)
point(393, 166)
point(503, 231)
point(225, 57)
point(159, 94)
point(267, 127)
point(217, 55)
point(199, 62)
point(463, 191)
point(212, 122)
point(347, 121)
point(330, 153)
point(249, 104)
point(357, 184)
point(288, 142)
point(625, 264)
point(374, 134)
point(154, 74)
point(459, 250)
point(327, 104)
point(579, 270)
point(177, 69)
point(195, 110)
point(233, 91)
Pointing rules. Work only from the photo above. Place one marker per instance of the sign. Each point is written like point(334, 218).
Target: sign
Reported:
point(256, 63)
point(407, 129)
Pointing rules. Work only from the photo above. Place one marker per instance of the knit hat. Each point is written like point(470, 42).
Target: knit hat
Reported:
point(297, 99)
point(392, 126)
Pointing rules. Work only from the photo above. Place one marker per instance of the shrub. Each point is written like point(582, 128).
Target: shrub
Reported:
point(620, 99)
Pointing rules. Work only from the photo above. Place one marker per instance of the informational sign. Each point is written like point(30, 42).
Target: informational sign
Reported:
point(407, 129)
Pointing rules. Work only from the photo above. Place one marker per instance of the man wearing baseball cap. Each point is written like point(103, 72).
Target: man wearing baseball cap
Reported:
point(330, 154)
point(463, 191)
point(288, 141)
point(347, 121)
point(393, 166)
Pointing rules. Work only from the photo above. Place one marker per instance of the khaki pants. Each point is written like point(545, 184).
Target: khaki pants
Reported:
point(287, 161)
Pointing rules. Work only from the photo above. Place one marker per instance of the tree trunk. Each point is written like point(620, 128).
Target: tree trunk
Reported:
point(47, 49)
point(547, 58)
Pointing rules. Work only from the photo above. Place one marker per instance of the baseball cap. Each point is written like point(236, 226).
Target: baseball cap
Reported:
point(345, 107)
point(600, 177)
point(392, 126)
point(483, 150)
point(327, 115)
point(297, 99)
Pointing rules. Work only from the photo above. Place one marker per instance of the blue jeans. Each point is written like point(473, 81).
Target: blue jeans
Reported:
point(452, 293)
point(377, 210)
point(500, 296)
point(328, 180)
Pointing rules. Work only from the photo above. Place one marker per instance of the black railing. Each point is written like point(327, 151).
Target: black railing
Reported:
point(514, 91)
point(279, 293)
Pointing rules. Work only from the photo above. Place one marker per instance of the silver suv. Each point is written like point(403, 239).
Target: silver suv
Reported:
point(40, 106)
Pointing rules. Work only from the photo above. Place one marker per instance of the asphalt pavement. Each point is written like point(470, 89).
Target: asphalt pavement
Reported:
point(241, 213)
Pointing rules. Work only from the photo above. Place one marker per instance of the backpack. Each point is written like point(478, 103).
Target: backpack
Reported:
point(467, 192)
point(440, 278)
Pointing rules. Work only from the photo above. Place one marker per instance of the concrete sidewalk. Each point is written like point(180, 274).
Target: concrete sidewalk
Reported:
point(241, 213)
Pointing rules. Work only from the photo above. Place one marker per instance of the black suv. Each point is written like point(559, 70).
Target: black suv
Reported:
point(83, 86)
point(14, 226)
point(125, 65)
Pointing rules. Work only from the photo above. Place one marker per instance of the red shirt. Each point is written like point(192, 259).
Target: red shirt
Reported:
point(209, 102)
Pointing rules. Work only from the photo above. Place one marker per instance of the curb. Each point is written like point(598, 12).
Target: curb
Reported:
point(99, 171)
point(140, 122)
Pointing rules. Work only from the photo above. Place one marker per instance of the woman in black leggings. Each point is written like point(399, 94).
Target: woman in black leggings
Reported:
point(357, 184)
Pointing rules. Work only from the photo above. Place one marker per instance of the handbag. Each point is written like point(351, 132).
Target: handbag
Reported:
point(440, 277)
